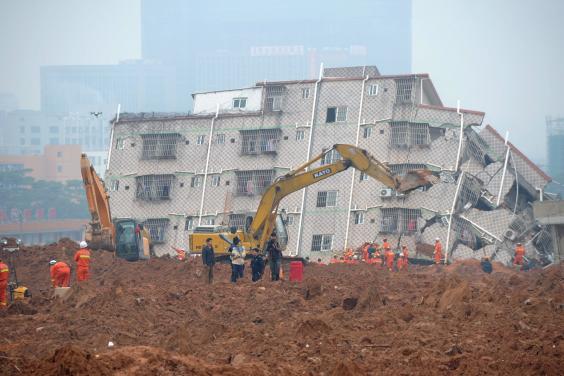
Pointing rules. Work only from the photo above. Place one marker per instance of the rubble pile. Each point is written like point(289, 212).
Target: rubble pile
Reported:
point(162, 318)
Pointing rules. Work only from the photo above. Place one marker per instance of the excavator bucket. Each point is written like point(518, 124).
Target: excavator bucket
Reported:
point(415, 179)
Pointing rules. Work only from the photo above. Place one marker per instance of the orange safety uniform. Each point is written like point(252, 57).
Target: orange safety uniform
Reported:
point(389, 259)
point(60, 274)
point(519, 254)
point(438, 254)
point(82, 259)
point(4, 276)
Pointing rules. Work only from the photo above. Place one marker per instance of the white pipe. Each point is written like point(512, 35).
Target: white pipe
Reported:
point(504, 169)
point(461, 134)
point(451, 213)
point(207, 164)
point(308, 157)
point(353, 170)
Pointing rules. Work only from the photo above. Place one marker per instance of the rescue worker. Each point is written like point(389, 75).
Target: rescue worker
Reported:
point(237, 260)
point(389, 255)
point(438, 253)
point(519, 254)
point(60, 273)
point(257, 265)
point(82, 259)
point(274, 254)
point(4, 276)
point(208, 258)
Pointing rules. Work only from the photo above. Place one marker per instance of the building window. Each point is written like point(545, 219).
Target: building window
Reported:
point(405, 134)
point(373, 89)
point(220, 138)
point(300, 135)
point(363, 176)
point(154, 187)
point(215, 180)
point(260, 141)
point(200, 140)
point(399, 220)
point(322, 243)
point(35, 130)
point(367, 132)
point(327, 199)
point(160, 146)
point(305, 93)
point(189, 224)
point(196, 181)
point(157, 229)
point(59, 168)
point(53, 129)
point(254, 182)
point(120, 143)
point(114, 185)
point(358, 217)
point(35, 141)
point(404, 89)
point(331, 156)
point(336, 114)
point(239, 103)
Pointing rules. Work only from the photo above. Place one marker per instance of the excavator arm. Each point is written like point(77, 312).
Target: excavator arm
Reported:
point(100, 232)
point(264, 220)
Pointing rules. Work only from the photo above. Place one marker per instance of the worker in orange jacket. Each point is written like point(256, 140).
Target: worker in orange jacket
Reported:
point(519, 254)
point(438, 253)
point(60, 273)
point(82, 259)
point(4, 276)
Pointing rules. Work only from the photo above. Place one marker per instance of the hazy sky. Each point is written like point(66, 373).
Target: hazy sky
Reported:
point(503, 57)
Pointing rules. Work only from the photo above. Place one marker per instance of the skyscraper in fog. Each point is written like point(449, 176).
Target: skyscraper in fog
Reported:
point(219, 44)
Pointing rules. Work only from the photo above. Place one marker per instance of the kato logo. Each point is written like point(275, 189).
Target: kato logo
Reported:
point(319, 174)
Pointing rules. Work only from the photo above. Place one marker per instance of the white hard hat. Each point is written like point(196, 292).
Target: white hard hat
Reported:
point(52, 262)
point(83, 244)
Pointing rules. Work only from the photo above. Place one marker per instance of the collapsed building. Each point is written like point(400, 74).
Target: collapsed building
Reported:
point(175, 172)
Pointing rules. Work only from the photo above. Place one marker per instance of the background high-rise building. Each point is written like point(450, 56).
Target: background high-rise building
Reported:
point(220, 44)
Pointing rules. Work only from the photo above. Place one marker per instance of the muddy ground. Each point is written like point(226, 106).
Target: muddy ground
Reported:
point(342, 320)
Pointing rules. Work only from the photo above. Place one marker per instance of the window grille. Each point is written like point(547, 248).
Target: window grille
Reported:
point(159, 146)
point(403, 168)
point(399, 220)
point(358, 218)
point(196, 181)
point(154, 187)
point(404, 134)
point(327, 199)
point(189, 224)
point(367, 132)
point(300, 135)
point(305, 93)
point(239, 103)
point(260, 141)
point(215, 180)
point(255, 182)
point(404, 90)
point(237, 220)
point(322, 243)
point(200, 139)
point(220, 138)
point(157, 229)
point(331, 156)
point(373, 89)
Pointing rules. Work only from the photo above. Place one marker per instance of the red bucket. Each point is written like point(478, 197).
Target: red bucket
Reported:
point(296, 271)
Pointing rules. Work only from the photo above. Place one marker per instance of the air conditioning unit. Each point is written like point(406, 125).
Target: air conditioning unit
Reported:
point(388, 192)
point(510, 234)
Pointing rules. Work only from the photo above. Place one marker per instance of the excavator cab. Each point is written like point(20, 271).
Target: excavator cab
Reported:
point(132, 240)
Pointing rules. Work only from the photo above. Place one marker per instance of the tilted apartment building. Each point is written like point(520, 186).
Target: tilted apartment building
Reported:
point(175, 171)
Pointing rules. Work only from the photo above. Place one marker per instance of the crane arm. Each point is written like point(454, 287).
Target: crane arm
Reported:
point(263, 222)
point(101, 230)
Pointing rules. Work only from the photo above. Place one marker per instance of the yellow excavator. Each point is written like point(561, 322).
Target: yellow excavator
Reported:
point(125, 236)
point(267, 220)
